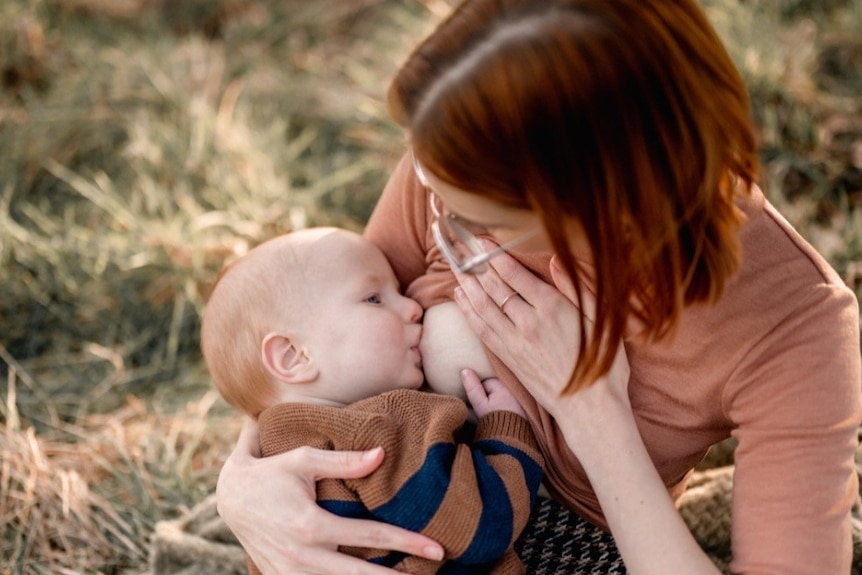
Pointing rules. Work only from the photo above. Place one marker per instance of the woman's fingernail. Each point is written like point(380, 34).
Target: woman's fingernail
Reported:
point(459, 294)
point(434, 553)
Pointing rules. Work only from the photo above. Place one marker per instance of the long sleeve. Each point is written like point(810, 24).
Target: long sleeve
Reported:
point(400, 227)
point(797, 416)
point(474, 498)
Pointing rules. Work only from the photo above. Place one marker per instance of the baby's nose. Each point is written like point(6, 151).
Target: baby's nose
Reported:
point(414, 310)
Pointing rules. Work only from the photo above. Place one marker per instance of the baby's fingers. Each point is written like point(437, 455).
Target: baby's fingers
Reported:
point(474, 388)
point(494, 386)
point(378, 535)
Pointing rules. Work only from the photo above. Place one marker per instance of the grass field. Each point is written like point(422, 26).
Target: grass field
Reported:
point(143, 142)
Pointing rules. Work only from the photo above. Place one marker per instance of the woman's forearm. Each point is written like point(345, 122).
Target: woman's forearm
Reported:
point(649, 532)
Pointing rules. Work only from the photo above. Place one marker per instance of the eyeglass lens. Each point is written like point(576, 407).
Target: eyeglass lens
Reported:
point(462, 243)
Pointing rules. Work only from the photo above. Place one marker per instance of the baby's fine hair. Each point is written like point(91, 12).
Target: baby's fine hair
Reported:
point(255, 294)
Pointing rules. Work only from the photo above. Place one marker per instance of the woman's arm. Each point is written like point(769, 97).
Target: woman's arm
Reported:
point(599, 427)
point(795, 402)
point(269, 504)
point(536, 337)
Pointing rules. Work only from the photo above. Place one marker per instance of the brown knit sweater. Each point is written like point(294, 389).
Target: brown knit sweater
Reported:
point(474, 498)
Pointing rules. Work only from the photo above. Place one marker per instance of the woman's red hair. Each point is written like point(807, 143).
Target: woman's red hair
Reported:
point(627, 115)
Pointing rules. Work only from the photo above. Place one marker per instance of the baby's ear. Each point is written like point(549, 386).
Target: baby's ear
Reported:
point(285, 361)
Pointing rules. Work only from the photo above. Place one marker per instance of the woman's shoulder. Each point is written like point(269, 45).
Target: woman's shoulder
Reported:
point(772, 249)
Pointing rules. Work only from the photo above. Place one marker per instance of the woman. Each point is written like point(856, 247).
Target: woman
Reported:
point(615, 135)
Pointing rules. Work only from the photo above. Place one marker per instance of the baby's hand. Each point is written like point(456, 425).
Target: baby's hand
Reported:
point(488, 395)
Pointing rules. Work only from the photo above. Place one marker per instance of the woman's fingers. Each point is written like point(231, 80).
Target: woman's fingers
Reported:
point(320, 463)
point(320, 531)
point(331, 529)
point(248, 443)
point(507, 275)
point(314, 538)
point(281, 526)
point(318, 560)
point(534, 333)
point(482, 314)
point(505, 297)
point(377, 535)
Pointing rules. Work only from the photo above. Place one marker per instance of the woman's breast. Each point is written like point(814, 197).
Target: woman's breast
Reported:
point(449, 345)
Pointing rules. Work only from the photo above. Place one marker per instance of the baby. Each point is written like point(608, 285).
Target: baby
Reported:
point(310, 334)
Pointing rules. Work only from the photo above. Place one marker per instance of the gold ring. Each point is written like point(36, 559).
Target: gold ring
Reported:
point(506, 299)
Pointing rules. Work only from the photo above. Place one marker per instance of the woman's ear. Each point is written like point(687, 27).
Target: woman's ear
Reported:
point(285, 361)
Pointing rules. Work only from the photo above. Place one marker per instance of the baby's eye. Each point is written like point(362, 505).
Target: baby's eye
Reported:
point(374, 298)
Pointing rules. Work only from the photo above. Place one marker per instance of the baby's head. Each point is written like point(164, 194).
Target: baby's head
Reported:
point(314, 316)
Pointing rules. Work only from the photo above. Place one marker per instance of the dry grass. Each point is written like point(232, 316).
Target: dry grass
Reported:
point(84, 498)
point(143, 142)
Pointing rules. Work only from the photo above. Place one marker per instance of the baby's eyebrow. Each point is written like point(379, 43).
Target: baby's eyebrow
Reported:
point(371, 281)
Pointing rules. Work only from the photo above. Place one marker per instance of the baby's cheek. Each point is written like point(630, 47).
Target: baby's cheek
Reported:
point(449, 345)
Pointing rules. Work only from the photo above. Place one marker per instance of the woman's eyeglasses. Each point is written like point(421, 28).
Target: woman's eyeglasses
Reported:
point(458, 239)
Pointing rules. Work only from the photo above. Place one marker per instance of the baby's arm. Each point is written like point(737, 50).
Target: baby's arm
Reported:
point(474, 498)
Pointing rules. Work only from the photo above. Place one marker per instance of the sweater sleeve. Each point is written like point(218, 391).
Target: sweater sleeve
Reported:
point(796, 405)
point(474, 499)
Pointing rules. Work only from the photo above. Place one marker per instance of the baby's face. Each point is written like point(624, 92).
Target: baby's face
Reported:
point(365, 334)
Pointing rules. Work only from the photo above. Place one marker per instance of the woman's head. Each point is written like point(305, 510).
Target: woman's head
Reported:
point(626, 117)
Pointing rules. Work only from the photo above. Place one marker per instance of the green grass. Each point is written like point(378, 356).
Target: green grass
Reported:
point(144, 142)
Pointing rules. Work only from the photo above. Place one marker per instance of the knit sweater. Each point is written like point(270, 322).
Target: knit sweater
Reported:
point(774, 363)
point(474, 497)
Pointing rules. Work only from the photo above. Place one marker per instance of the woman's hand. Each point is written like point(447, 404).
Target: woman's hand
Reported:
point(530, 325)
point(270, 506)
point(533, 328)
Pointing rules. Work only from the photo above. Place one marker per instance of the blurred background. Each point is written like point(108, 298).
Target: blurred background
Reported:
point(145, 142)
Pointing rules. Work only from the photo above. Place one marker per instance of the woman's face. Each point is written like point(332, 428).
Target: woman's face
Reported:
point(505, 223)
point(486, 217)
